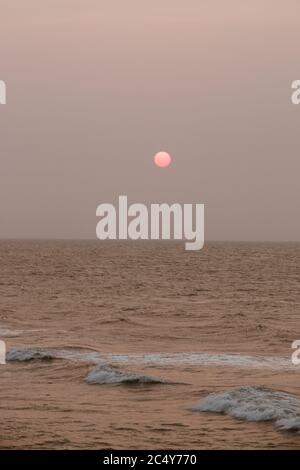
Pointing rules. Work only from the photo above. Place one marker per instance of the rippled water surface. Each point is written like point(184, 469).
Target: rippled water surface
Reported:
point(145, 345)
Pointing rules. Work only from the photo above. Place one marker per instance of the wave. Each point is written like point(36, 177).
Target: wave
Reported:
point(95, 357)
point(68, 353)
point(25, 355)
point(256, 404)
point(107, 375)
point(102, 374)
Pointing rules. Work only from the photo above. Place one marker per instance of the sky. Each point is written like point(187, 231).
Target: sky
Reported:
point(96, 87)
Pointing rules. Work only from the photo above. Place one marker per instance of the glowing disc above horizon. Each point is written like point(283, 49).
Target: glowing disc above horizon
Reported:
point(162, 159)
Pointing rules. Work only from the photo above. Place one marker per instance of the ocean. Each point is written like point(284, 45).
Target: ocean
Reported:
point(143, 345)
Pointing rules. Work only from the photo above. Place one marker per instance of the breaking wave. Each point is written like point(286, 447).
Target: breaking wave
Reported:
point(31, 354)
point(28, 355)
point(256, 404)
point(108, 375)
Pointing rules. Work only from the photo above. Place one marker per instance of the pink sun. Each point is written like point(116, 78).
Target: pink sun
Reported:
point(162, 159)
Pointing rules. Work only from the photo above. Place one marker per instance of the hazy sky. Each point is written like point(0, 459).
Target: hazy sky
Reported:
point(96, 87)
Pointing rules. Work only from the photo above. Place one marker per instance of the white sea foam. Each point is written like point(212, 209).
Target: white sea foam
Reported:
point(107, 375)
point(237, 360)
point(173, 359)
point(256, 404)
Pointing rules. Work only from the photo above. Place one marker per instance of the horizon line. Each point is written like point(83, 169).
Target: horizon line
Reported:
point(140, 240)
